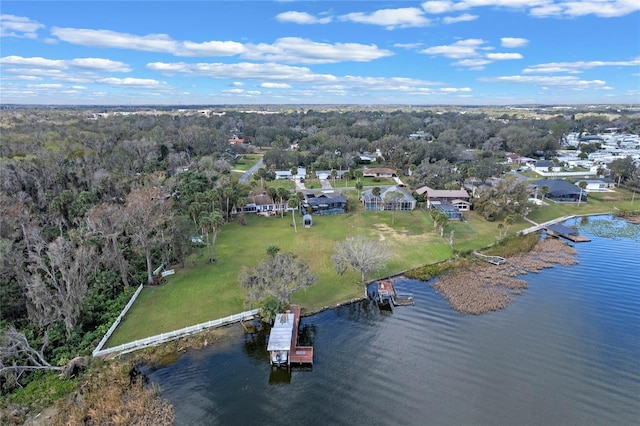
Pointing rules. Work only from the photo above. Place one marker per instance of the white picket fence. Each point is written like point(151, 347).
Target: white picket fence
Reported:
point(165, 337)
point(117, 321)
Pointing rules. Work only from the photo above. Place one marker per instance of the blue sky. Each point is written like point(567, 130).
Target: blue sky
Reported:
point(459, 52)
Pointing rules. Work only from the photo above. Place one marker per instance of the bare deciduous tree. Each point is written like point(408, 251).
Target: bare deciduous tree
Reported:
point(106, 222)
point(145, 214)
point(361, 254)
point(56, 277)
point(18, 356)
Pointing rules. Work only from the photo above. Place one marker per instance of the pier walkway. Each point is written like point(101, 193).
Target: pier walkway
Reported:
point(298, 354)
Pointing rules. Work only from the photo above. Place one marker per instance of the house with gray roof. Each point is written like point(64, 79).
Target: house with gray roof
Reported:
point(560, 190)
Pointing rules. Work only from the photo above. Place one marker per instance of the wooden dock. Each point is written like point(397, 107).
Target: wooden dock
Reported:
point(385, 294)
point(561, 231)
point(298, 354)
point(283, 340)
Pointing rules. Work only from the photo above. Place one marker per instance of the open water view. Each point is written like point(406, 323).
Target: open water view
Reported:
point(565, 352)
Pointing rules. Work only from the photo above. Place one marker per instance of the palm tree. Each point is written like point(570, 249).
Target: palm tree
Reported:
point(228, 192)
point(293, 203)
point(583, 186)
point(393, 199)
point(376, 193)
point(359, 187)
point(545, 191)
point(283, 194)
point(508, 222)
point(212, 221)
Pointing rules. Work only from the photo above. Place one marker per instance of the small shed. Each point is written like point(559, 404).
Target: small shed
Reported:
point(307, 220)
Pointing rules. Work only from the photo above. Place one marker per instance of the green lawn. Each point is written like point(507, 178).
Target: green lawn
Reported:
point(598, 202)
point(201, 292)
point(246, 162)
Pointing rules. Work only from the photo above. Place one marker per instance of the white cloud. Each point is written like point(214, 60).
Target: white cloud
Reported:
point(18, 26)
point(92, 64)
point(473, 64)
point(275, 85)
point(27, 78)
point(132, 82)
point(599, 8)
point(45, 86)
point(390, 18)
point(458, 50)
point(462, 18)
point(542, 8)
point(301, 18)
point(33, 62)
point(148, 43)
point(455, 89)
point(578, 67)
point(99, 64)
point(511, 42)
point(303, 51)
point(503, 56)
point(287, 49)
point(285, 74)
point(211, 48)
point(565, 82)
point(408, 45)
point(437, 7)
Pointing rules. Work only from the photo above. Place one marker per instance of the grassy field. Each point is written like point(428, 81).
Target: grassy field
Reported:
point(201, 292)
point(246, 162)
point(598, 202)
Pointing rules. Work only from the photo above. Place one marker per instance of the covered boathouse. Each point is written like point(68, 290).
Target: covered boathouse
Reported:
point(283, 341)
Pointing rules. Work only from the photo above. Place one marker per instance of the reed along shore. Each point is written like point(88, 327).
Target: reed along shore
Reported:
point(482, 287)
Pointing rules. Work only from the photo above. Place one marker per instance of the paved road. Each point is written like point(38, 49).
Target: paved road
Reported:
point(247, 175)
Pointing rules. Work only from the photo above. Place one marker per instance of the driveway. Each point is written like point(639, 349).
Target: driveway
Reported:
point(299, 185)
point(326, 184)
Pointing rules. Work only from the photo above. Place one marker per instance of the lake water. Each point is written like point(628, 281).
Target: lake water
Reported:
point(565, 352)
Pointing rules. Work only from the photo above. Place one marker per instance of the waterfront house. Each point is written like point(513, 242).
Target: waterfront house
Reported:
point(262, 203)
point(560, 190)
point(391, 198)
point(458, 197)
point(326, 203)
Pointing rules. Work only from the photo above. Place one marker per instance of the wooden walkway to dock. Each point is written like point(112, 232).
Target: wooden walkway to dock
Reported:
point(298, 354)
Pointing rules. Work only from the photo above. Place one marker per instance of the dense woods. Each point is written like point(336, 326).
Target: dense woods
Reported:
point(91, 204)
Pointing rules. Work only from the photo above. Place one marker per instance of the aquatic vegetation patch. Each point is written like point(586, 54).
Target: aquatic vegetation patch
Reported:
point(614, 229)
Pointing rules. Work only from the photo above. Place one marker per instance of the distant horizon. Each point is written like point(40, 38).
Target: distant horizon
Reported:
point(325, 52)
point(514, 105)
